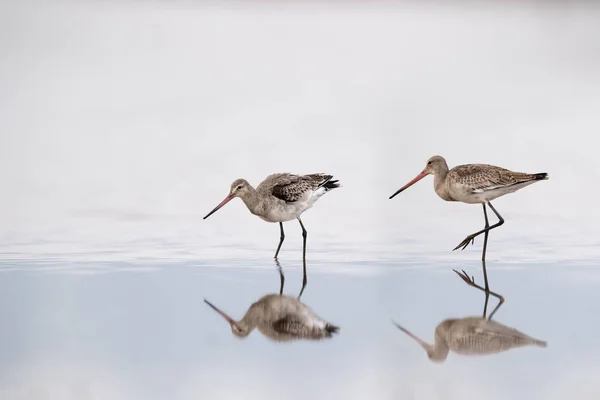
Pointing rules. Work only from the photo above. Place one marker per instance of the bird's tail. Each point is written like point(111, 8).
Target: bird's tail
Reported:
point(331, 329)
point(328, 184)
point(539, 177)
point(540, 343)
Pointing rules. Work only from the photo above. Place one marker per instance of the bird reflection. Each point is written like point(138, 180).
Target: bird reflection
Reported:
point(280, 318)
point(471, 282)
point(474, 336)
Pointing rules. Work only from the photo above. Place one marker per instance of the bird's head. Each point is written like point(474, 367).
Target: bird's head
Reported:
point(435, 354)
point(434, 166)
point(236, 328)
point(238, 188)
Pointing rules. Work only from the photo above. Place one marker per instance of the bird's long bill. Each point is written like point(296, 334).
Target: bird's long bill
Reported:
point(421, 342)
point(221, 204)
point(422, 175)
point(227, 317)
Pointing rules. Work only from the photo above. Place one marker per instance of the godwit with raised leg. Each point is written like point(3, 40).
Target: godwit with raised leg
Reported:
point(473, 336)
point(473, 184)
point(281, 318)
point(282, 197)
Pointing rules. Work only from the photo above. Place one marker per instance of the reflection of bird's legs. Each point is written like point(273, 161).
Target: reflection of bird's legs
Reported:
point(469, 280)
point(281, 277)
point(304, 280)
point(487, 298)
point(496, 308)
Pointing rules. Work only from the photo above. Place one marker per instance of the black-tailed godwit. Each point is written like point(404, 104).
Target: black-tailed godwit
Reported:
point(282, 197)
point(474, 184)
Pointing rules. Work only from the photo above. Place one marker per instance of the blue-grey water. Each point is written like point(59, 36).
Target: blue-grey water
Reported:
point(123, 124)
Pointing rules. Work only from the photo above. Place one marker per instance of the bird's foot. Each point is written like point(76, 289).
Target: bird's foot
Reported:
point(468, 240)
point(469, 280)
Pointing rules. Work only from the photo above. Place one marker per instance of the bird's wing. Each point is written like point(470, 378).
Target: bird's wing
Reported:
point(291, 325)
point(482, 177)
point(493, 329)
point(291, 188)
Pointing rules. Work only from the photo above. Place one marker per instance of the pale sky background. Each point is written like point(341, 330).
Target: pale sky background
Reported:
point(133, 119)
point(123, 123)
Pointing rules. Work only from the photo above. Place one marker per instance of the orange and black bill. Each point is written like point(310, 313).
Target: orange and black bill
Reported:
point(227, 199)
point(422, 175)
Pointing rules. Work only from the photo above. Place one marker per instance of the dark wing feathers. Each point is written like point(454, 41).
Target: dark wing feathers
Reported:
point(293, 326)
point(290, 325)
point(291, 188)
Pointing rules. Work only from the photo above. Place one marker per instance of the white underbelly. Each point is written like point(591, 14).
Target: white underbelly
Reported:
point(285, 212)
point(488, 195)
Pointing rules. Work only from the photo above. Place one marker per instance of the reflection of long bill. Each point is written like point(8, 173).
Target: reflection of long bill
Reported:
point(227, 317)
point(421, 342)
point(227, 199)
point(422, 175)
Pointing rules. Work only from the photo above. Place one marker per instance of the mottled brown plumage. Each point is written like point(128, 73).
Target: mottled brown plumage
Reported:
point(472, 183)
point(484, 177)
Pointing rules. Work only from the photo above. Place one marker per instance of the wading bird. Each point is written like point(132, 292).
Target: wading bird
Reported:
point(474, 184)
point(282, 197)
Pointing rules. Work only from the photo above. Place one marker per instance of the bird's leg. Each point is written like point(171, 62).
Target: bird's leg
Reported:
point(487, 298)
point(281, 277)
point(469, 280)
point(471, 238)
point(304, 234)
point(496, 308)
point(281, 237)
point(485, 239)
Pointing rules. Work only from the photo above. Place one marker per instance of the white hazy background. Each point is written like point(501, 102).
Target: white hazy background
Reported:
point(126, 122)
point(123, 123)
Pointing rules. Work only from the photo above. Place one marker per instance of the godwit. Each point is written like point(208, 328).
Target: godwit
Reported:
point(280, 198)
point(472, 184)
point(281, 318)
point(473, 336)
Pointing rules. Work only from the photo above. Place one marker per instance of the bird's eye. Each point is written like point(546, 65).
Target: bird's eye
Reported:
point(239, 187)
point(429, 163)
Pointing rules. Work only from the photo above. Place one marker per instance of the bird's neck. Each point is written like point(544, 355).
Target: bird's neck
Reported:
point(440, 185)
point(439, 351)
point(252, 200)
point(250, 320)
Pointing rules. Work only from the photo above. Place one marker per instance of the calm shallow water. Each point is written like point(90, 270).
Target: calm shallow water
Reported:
point(124, 332)
point(123, 124)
